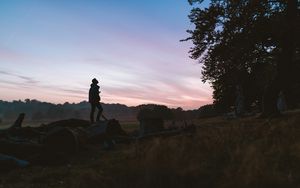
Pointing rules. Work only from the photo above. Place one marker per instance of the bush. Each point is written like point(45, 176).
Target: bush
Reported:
point(208, 110)
point(154, 111)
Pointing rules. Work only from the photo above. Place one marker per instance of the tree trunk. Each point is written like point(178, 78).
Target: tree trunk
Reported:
point(282, 81)
point(269, 101)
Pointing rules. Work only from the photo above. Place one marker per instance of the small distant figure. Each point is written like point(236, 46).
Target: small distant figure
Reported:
point(94, 100)
point(281, 103)
point(239, 102)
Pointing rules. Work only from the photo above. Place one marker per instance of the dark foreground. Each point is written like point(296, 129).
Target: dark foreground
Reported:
point(238, 153)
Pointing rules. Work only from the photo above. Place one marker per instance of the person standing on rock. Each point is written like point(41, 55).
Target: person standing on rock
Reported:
point(94, 100)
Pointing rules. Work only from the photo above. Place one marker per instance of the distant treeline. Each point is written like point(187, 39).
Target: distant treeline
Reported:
point(43, 111)
point(37, 110)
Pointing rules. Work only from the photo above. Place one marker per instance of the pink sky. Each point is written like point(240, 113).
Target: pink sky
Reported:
point(51, 51)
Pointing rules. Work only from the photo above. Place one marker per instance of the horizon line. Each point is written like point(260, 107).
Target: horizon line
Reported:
point(85, 101)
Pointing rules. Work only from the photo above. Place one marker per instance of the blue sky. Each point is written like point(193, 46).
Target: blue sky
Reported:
point(51, 49)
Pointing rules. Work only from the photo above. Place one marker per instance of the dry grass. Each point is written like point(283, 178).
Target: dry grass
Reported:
point(238, 153)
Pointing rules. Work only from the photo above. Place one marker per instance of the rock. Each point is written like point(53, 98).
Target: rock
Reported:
point(61, 139)
point(9, 162)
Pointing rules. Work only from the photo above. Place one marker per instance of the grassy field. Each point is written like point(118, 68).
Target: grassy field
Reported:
point(246, 152)
point(127, 125)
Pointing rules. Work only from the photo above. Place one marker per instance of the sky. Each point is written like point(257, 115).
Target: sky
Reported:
point(50, 50)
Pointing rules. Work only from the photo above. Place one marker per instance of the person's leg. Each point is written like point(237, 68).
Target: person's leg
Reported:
point(93, 107)
point(100, 110)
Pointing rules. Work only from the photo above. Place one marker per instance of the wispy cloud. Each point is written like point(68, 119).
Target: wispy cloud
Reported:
point(4, 72)
point(138, 60)
point(19, 82)
point(25, 79)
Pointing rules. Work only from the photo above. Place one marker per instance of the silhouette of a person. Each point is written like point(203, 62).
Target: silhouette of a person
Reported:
point(281, 102)
point(94, 100)
point(239, 101)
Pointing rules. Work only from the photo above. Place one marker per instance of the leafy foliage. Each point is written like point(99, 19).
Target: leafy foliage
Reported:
point(154, 111)
point(241, 43)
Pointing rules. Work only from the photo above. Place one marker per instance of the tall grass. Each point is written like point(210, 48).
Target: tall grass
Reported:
point(240, 153)
point(237, 153)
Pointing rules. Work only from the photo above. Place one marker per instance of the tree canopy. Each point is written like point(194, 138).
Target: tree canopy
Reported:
point(252, 44)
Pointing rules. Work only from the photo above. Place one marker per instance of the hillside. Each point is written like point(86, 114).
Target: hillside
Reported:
point(247, 152)
point(43, 112)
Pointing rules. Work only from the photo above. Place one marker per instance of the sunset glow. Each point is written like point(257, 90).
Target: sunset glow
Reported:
point(50, 51)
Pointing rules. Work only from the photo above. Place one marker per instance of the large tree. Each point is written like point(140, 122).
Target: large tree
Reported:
point(252, 44)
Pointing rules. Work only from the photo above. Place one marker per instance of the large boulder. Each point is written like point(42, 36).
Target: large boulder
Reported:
point(65, 123)
point(61, 139)
point(104, 130)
